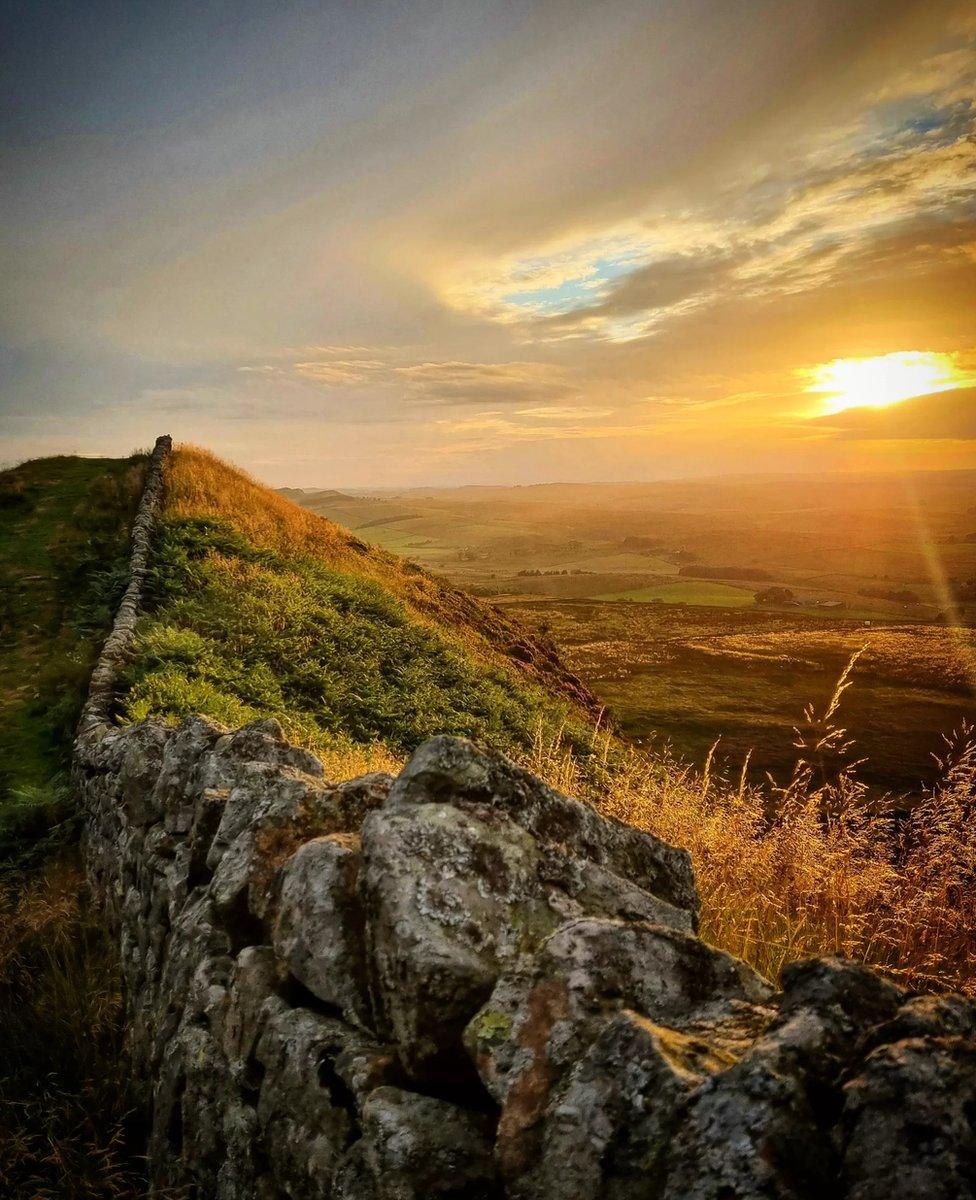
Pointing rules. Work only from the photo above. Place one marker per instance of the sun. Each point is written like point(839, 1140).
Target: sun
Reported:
point(887, 379)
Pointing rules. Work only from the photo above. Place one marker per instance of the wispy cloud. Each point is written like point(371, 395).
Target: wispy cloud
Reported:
point(477, 383)
point(450, 383)
point(902, 179)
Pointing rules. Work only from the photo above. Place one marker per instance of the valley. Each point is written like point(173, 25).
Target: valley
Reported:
point(650, 593)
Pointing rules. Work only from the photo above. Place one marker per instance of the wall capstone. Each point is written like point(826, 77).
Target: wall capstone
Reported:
point(459, 983)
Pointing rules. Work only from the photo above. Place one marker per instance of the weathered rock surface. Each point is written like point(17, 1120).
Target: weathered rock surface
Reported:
point(909, 1118)
point(458, 983)
point(318, 935)
point(603, 1032)
point(419, 1148)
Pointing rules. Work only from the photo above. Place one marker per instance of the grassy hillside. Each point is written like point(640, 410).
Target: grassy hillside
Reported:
point(648, 591)
point(259, 607)
point(64, 529)
point(66, 1124)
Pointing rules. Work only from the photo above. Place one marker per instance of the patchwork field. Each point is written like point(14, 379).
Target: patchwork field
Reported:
point(699, 592)
point(688, 676)
point(650, 592)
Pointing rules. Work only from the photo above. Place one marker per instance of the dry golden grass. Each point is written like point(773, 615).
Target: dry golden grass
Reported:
point(198, 484)
point(348, 762)
point(67, 1122)
point(812, 868)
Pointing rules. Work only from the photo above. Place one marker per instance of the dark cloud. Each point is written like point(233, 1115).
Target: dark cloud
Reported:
point(938, 417)
point(667, 282)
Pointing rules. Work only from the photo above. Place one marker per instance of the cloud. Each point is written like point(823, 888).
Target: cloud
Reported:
point(341, 372)
point(942, 416)
point(453, 382)
point(480, 383)
point(903, 174)
point(556, 412)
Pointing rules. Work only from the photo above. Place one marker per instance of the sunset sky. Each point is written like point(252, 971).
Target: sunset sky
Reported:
point(390, 244)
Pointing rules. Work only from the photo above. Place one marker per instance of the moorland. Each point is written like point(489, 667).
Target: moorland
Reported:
point(257, 607)
point(650, 592)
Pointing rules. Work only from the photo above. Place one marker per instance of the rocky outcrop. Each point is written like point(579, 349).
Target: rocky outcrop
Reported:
point(459, 983)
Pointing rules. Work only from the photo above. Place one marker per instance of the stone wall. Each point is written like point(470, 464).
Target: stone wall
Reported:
point(101, 692)
point(458, 983)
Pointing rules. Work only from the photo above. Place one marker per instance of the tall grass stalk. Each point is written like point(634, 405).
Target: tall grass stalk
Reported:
point(812, 866)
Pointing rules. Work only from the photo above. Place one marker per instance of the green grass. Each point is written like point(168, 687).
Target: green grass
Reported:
point(64, 531)
point(702, 592)
point(690, 675)
point(66, 1120)
point(237, 631)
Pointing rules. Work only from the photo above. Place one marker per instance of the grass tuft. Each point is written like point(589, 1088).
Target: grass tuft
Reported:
point(812, 867)
point(67, 1123)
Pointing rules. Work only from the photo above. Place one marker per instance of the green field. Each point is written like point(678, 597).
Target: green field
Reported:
point(691, 591)
point(63, 563)
point(688, 676)
point(608, 570)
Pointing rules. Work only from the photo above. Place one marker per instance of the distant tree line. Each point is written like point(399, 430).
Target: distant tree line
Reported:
point(775, 595)
point(534, 573)
point(898, 595)
point(725, 573)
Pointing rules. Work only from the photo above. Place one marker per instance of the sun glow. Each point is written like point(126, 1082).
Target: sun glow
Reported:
point(877, 382)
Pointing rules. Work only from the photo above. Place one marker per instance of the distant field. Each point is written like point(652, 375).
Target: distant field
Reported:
point(688, 676)
point(609, 572)
point(829, 539)
point(717, 595)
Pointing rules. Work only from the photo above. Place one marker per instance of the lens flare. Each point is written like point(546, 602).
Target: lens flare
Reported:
point(887, 379)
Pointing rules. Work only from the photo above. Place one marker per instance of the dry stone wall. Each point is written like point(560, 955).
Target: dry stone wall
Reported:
point(458, 983)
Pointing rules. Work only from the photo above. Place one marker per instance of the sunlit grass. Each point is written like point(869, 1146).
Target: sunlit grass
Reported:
point(277, 613)
point(812, 867)
point(259, 608)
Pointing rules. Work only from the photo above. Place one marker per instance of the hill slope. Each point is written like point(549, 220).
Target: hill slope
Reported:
point(259, 607)
point(63, 541)
point(66, 1115)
